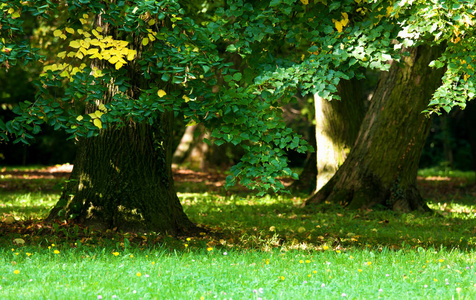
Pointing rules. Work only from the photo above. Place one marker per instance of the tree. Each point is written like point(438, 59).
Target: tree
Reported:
point(125, 68)
point(381, 168)
point(127, 65)
point(337, 125)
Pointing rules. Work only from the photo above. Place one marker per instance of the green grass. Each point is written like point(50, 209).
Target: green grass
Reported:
point(268, 248)
point(156, 273)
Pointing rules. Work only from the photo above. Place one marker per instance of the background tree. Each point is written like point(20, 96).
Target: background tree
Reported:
point(337, 126)
point(382, 167)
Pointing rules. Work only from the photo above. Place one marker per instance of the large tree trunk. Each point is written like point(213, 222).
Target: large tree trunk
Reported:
point(337, 126)
point(382, 166)
point(123, 177)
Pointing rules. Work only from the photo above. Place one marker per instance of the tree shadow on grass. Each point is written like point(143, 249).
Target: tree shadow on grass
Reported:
point(241, 221)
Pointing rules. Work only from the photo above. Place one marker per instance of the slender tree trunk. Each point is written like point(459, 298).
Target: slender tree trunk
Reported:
point(337, 126)
point(123, 177)
point(382, 166)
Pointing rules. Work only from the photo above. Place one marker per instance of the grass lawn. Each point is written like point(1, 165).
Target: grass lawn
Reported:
point(251, 248)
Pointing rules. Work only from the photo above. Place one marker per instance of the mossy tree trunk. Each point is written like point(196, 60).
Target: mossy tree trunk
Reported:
point(382, 166)
point(337, 126)
point(123, 177)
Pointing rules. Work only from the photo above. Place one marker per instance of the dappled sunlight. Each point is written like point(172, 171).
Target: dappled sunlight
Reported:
point(455, 210)
point(434, 178)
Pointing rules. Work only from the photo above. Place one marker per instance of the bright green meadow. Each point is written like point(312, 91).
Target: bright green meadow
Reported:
point(250, 248)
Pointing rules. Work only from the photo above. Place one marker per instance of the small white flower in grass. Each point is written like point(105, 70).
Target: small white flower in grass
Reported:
point(425, 286)
point(134, 291)
point(224, 253)
point(99, 297)
point(323, 285)
point(259, 298)
point(255, 291)
point(146, 275)
point(380, 290)
point(260, 290)
point(114, 296)
point(344, 295)
point(387, 275)
point(305, 281)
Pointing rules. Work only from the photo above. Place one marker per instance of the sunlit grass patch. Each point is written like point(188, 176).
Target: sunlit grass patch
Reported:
point(60, 271)
point(22, 206)
point(445, 174)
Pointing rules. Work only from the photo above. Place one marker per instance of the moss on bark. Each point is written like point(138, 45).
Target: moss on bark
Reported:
point(382, 166)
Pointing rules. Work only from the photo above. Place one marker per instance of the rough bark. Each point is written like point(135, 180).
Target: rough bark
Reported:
point(382, 166)
point(123, 178)
point(337, 126)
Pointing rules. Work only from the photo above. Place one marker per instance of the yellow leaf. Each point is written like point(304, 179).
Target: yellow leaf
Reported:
point(63, 36)
point(95, 42)
point(131, 54)
point(86, 34)
point(83, 21)
point(71, 54)
point(305, 2)
point(151, 22)
point(74, 71)
point(92, 115)
point(70, 30)
point(74, 44)
point(389, 11)
point(145, 41)
point(57, 32)
point(62, 54)
point(99, 29)
point(113, 59)
point(79, 55)
point(338, 25)
point(80, 31)
point(85, 16)
point(151, 37)
point(95, 33)
point(92, 51)
point(161, 93)
point(186, 98)
point(119, 65)
point(16, 15)
point(345, 21)
point(102, 107)
point(466, 76)
point(98, 113)
point(97, 123)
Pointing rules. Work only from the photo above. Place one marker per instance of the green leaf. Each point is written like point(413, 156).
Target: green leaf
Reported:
point(231, 48)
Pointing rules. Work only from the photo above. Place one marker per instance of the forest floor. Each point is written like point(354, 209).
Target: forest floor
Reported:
point(251, 247)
